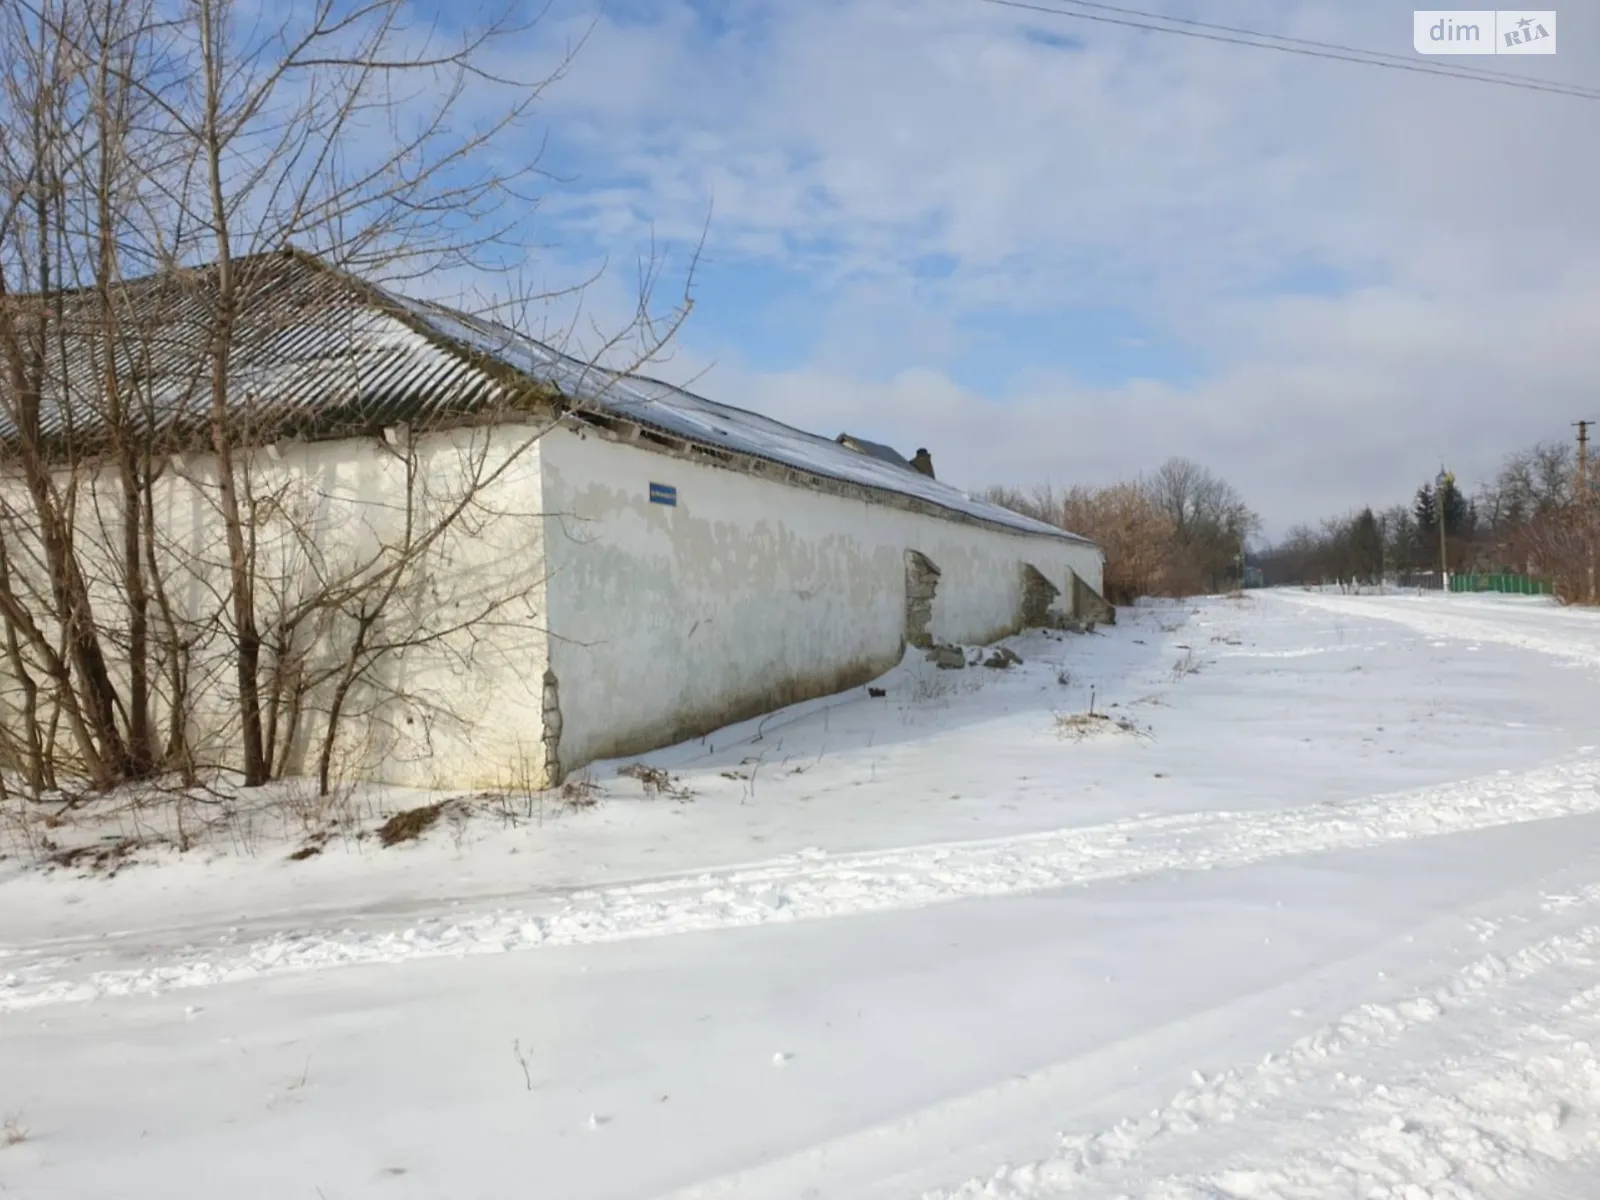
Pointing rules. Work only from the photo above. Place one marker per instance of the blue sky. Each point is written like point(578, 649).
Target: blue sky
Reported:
point(1056, 251)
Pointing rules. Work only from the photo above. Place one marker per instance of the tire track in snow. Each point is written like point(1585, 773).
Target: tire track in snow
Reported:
point(919, 1153)
point(1489, 1098)
point(813, 885)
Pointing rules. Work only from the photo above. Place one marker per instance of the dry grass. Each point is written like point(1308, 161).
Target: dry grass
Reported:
point(1189, 664)
point(111, 831)
point(656, 782)
point(580, 792)
point(410, 825)
point(1092, 723)
point(287, 819)
point(311, 849)
point(12, 1131)
point(1084, 725)
point(940, 688)
point(108, 857)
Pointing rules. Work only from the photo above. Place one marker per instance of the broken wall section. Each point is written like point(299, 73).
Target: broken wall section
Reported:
point(1090, 605)
point(922, 585)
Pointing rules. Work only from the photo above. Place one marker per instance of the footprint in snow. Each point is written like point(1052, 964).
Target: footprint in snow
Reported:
point(781, 1058)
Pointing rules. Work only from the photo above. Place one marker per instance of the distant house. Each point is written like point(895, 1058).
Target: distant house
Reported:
point(670, 564)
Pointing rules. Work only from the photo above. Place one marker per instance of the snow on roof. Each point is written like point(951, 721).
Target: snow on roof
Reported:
point(672, 410)
point(877, 450)
point(318, 352)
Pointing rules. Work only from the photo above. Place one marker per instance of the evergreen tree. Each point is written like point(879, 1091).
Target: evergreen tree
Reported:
point(1366, 546)
point(1460, 515)
point(1426, 514)
point(1460, 519)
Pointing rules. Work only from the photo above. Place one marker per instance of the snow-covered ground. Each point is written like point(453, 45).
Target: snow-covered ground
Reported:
point(1315, 913)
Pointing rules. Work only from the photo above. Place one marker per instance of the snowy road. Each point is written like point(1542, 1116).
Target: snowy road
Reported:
point(1331, 929)
point(1565, 635)
point(814, 886)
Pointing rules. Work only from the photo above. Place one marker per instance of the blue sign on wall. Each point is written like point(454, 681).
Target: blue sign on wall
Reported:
point(661, 493)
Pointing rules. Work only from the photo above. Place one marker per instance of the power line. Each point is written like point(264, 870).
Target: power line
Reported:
point(1234, 36)
point(1405, 60)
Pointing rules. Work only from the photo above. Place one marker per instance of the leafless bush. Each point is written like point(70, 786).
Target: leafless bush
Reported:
point(580, 792)
point(1123, 519)
point(931, 688)
point(521, 795)
point(1565, 545)
point(656, 781)
point(940, 688)
point(1135, 534)
point(1177, 532)
point(313, 812)
point(12, 1131)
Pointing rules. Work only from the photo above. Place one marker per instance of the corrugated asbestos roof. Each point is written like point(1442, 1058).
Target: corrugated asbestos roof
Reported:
point(313, 351)
point(317, 352)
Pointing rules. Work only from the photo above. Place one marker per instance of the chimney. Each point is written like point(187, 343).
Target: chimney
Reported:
point(923, 463)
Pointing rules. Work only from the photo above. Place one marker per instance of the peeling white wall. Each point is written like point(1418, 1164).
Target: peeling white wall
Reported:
point(659, 622)
point(747, 595)
point(462, 710)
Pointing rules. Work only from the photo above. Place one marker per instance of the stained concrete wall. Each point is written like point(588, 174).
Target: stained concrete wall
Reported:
point(634, 624)
point(747, 594)
point(463, 710)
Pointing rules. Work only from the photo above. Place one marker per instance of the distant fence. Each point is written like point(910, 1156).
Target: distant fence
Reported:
point(1423, 580)
point(1517, 585)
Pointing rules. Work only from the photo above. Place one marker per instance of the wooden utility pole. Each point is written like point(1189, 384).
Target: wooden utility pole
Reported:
point(1584, 499)
point(1383, 556)
point(1583, 461)
point(1444, 482)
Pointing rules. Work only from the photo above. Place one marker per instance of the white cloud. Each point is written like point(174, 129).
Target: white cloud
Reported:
point(1176, 178)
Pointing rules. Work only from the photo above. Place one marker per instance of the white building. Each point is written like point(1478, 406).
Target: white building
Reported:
point(639, 565)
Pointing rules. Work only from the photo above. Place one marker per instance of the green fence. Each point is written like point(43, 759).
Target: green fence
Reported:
point(1519, 585)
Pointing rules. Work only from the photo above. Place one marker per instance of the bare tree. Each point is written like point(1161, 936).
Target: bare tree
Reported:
point(72, 131)
point(1529, 519)
point(1562, 546)
point(273, 129)
point(1124, 520)
point(1210, 520)
point(189, 144)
